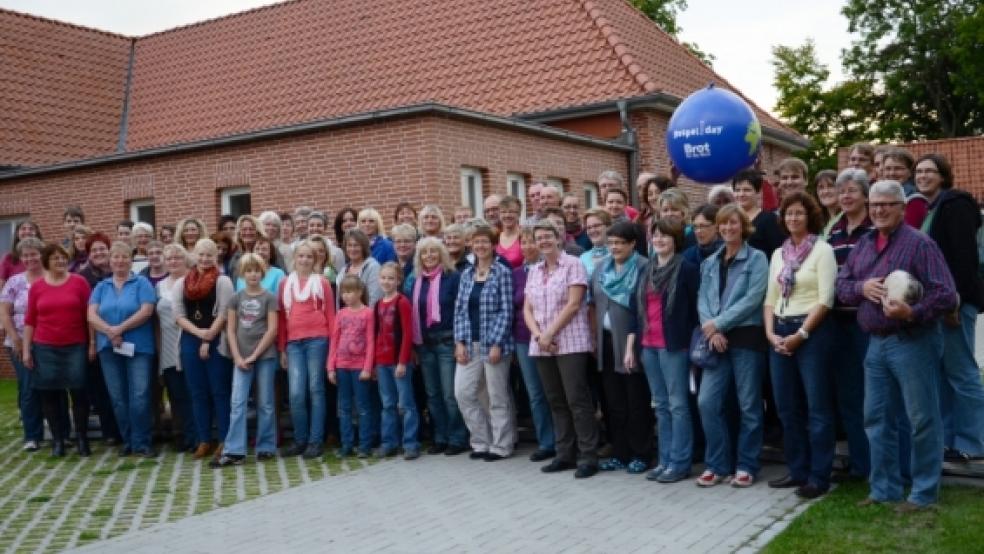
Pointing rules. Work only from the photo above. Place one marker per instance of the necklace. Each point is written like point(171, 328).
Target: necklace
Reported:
point(482, 273)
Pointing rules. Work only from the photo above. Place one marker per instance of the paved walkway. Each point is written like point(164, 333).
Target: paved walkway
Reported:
point(442, 504)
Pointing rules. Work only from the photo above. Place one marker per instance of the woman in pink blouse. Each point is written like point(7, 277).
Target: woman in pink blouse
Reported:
point(561, 342)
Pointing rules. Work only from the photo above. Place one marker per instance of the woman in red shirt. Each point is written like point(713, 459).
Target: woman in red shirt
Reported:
point(55, 339)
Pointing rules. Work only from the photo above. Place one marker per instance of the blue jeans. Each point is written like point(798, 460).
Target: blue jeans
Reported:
point(902, 373)
point(128, 382)
point(668, 373)
point(263, 372)
point(847, 365)
point(802, 387)
point(306, 377)
point(180, 400)
point(28, 401)
point(961, 391)
point(744, 368)
point(396, 394)
point(437, 365)
point(210, 385)
point(349, 388)
point(539, 407)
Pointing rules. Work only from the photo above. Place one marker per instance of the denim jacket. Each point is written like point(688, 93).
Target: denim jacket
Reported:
point(744, 293)
point(495, 310)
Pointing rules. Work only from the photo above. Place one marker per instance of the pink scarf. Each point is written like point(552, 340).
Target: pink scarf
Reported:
point(792, 258)
point(433, 302)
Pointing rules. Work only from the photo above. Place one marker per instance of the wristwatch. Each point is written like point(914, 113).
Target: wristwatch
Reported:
point(802, 333)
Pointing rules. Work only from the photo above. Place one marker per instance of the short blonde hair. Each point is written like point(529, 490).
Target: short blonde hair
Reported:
point(677, 200)
point(371, 213)
point(250, 261)
point(432, 243)
point(120, 247)
point(205, 245)
point(794, 164)
point(431, 209)
point(175, 247)
point(403, 231)
point(727, 211)
point(143, 226)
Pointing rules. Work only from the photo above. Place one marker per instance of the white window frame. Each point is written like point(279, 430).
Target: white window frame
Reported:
point(557, 182)
point(471, 190)
point(590, 195)
point(516, 186)
point(12, 223)
point(135, 206)
point(227, 195)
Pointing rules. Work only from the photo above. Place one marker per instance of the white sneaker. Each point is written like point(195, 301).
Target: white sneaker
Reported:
point(31, 446)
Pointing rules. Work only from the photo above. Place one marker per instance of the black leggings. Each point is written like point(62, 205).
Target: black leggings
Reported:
point(51, 407)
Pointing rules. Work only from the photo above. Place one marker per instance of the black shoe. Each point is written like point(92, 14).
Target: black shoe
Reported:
point(124, 452)
point(786, 482)
point(83, 446)
point(810, 492)
point(490, 457)
point(953, 455)
point(264, 456)
point(841, 477)
point(111, 441)
point(437, 448)
point(557, 465)
point(58, 448)
point(455, 450)
point(540, 455)
point(147, 454)
point(585, 470)
point(314, 450)
point(296, 449)
point(476, 455)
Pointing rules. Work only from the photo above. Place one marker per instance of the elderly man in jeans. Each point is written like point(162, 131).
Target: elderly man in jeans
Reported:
point(905, 352)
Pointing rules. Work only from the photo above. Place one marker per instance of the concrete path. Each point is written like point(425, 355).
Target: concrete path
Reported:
point(442, 504)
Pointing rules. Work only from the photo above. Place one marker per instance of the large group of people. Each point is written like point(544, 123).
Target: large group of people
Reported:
point(638, 340)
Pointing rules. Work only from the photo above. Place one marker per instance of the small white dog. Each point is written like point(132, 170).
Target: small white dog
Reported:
point(901, 286)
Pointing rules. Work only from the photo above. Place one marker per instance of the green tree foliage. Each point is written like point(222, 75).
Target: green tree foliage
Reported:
point(664, 13)
point(927, 58)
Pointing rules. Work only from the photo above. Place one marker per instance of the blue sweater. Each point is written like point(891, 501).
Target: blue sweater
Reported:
point(741, 303)
point(447, 298)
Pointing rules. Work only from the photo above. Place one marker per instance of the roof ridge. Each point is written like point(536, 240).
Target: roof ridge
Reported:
point(621, 49)
point(272, 4)
point(64, 23)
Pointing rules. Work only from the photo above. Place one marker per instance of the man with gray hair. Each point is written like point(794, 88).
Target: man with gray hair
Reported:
point(491, 210)
point(550, 197)
point(612, 179)
point(902, 365)
point(301, 215)
point(535, 210)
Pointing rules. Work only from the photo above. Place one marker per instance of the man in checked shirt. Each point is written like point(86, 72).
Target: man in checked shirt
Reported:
point(903, 362)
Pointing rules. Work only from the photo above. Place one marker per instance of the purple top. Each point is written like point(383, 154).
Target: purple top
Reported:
point(521, 333)
point(908, 250)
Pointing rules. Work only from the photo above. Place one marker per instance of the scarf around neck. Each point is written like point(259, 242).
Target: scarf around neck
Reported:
point(620, 285)
point(199, 283)
point(293, 290)
point(433, 306)
point(663, 279)
point(792, 258)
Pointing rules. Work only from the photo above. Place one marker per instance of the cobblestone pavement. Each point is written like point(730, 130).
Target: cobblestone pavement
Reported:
point(444, 504)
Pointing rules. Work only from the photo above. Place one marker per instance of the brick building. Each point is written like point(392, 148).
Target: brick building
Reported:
point(337, 103)
point(966, 156)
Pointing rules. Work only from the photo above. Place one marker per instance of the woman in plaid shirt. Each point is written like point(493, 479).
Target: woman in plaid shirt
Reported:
point(483, 344)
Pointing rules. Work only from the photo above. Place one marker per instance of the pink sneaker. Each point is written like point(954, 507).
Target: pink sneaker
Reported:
point(742, 480)
point(709, 479)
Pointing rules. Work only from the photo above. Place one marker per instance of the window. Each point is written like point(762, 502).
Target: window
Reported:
point(7, 228)
point(516, 185)
point(142, 210)
point(471, 189)
point(590, 196)
point(235, 201)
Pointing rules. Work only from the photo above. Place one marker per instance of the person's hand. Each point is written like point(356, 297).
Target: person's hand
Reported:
point(896, 309)
point(91, 353)
point(117, 341)
point(113, 331)
point(283, 360)
point(792, 342)
point(401, 371)
point(203, 351)
point(332, 377)
point(709, 329)
point(545, 342)
point(240, 362)
point(365, 375)
point(27, 359)
point(460, 353)
point(952, 319)
point(874, 290)
point(495, 354)
point(208, 334)
point(629, 361)
point(17, 347)
point(719, 342)
point(674, 173)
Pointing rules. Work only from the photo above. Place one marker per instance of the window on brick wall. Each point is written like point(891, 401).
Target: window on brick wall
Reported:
point(516, 186)
point(143, 210)
point(236, 201)
point(7, 227)
point(471, 189)
point(590, 195)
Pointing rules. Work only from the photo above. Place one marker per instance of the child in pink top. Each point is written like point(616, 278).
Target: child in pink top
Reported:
point(350, 363)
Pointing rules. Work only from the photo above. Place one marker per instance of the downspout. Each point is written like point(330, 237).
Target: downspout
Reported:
point(628, 137)
point(125, 115)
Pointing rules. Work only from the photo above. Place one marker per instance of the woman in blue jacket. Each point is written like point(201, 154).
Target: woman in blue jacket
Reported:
point(733, 282)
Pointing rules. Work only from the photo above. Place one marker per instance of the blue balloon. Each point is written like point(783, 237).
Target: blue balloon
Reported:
point(713, 135)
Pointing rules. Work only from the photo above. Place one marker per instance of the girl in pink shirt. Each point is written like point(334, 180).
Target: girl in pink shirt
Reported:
point(350, 363)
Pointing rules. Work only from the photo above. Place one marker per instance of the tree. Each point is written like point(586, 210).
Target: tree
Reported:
point(926, 58)
point(829, 117)
point(664, 13)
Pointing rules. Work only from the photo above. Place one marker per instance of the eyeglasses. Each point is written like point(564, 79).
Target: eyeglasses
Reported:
point(595, 226)
point(883, 205)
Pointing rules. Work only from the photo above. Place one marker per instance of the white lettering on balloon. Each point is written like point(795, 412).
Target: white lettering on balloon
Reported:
point(700, 130)
point(697, 150)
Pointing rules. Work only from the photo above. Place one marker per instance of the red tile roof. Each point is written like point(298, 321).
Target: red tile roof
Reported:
point(306, 60)
point(61, 93)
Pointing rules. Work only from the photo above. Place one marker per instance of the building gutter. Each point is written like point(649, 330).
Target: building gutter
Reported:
point(125, 114)
point(629, 137)
point(427, 109)
point(659, 101)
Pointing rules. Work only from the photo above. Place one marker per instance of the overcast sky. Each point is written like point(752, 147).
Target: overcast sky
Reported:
point(739, 33)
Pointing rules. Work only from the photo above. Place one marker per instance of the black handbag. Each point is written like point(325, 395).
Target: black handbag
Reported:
point(702, 354)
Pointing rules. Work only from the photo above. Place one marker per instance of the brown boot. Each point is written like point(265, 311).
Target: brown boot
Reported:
point(203, 450)
point(218, 451)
